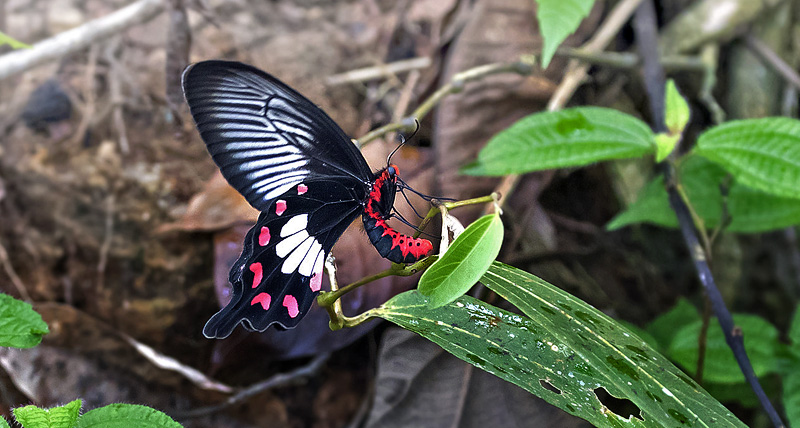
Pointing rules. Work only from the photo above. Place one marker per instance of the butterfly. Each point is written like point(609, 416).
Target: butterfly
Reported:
point(294, 164)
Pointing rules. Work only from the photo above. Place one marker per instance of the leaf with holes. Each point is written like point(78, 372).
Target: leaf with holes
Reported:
point(606, 354)
point(572, 137)
point(557, 20)
point(120, 415)
point(567, 354)
point(464, 263)
point(57, 417)
point(20, 325)
point(760, 153)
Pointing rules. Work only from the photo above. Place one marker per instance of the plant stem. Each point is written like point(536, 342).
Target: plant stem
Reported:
point(456, 84)
point(647, 41)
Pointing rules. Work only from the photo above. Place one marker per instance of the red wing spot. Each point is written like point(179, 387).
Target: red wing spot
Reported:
point(280, 206)
point(257, 273)
point(262, 298)
point(316, 281)
point(263, 237)
point(291, 305)
point(302, 188)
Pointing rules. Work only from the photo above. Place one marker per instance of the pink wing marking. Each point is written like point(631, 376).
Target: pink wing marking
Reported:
point(280, 206)
point(263, 237)
point(257, 273)
point(291, 305)
point(262, 298)
point(302, 188)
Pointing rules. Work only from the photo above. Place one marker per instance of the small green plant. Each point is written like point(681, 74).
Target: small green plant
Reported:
point(22, 327)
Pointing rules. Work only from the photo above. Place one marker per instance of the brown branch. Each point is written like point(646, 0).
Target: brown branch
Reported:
point(79, 38)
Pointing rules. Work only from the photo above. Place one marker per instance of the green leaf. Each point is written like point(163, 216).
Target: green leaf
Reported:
point(700, 180)
point(557, 20)
point(677, 110)
point(572, 137)
point(760, 153)
point(791, 397)
point(794, 331)
point(3, 423)
point(760, 340)
point(618, 361)
point(20, 325)
point(665, 144)
point(754, 211)
point(56, 417)
point(14, 43)
point(121, 415)
point(458, 269)
point(664, 327)
point(750, 210)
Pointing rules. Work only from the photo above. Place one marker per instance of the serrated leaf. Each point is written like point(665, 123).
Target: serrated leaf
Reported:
point(14, 43)
point(794, 331)
point(20, 325)
point(458, 269)
point(3, 423)
point(700, 180)
point(763, 154)
point(665, 144)
point(121, 415)
point(760, 340)
point(791, 397)
point(750, 210)
point(666, 325)
point(753, 211)
point(572, 137)
point(557, 20)
point(56, 417)
point(677, 109)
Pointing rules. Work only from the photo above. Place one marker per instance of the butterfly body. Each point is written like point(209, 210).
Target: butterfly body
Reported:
point(294, 164)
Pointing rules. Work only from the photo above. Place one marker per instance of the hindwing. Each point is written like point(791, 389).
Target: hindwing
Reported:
point(279, 273)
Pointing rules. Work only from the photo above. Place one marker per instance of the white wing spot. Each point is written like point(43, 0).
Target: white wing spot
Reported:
point(307, 265)
point(292, 263)
point(294, 225)
point(287, 245)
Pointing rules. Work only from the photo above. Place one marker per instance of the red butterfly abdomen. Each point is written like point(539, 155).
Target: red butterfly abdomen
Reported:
point(390, 243)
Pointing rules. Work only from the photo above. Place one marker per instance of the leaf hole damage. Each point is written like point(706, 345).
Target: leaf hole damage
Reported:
point(549, 386)
point(620, 406)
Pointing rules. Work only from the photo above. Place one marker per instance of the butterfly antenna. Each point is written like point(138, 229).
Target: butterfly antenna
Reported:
point(403, 140)
point(403, 185)
point(409, 202)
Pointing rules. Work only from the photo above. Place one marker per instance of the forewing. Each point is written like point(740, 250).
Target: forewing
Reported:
point(265, 137)
point(279, 273)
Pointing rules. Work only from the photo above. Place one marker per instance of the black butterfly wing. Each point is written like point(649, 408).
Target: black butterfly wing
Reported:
point(279, 273)
point(265, 137)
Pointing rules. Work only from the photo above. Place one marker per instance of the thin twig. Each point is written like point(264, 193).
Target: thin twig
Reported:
point(455, 85)
point(770, 58)
point(106, 246)
point(577, 73)
point(12, 274)
point(647, 41)
point(117, 98)
point(89, 107)
point(79, 38)
point(379, 71)
point(278, 380)
point(605, 34)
